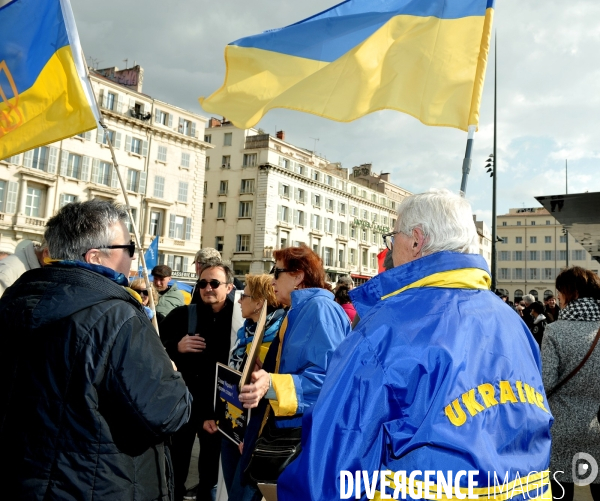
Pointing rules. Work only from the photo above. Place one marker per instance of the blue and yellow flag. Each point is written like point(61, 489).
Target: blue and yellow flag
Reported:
point(45, 94)
point(426, 58)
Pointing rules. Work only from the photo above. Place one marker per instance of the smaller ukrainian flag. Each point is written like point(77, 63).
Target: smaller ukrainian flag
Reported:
point(426, 58)
point(45, 95)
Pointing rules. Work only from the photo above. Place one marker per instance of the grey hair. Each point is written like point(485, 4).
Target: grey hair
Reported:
point(81, 226)
point(528, 299)
point(217, 263)
point(446, 220)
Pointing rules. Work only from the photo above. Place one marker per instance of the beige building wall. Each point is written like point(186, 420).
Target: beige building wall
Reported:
point(533, 252)
point(263, 194)
point(161, 156)
point(485, 241)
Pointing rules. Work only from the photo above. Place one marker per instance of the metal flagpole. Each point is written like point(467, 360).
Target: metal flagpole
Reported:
point(495, 176)
point(128, 208)
point(467, 161)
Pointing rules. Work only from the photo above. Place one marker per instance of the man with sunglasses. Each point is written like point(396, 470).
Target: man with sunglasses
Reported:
point(170, 297)
point(196, 337)
point(88, 394)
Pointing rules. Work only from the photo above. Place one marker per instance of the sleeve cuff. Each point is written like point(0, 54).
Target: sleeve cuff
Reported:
point(287, 400)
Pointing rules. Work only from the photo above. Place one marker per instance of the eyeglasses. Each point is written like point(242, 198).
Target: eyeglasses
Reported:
point(130, 247)
point(242, 296)
point(141, 292)
point(279, 271)
point(388, 239)
point(214, 284)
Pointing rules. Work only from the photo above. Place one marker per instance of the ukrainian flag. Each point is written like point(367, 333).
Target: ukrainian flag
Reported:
point(426, 58)
point(45, 94)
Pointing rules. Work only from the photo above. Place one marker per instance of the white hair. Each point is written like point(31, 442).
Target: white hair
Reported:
point(528, 299)
point(446, 220)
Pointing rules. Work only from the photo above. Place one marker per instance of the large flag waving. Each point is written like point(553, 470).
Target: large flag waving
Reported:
point(45, 94)
point(426, 58)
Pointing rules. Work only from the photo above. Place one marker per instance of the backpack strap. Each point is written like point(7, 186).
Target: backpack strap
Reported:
point(192, 318)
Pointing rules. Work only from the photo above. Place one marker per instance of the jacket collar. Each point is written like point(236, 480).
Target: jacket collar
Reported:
point(300, 296)
point(441, 269)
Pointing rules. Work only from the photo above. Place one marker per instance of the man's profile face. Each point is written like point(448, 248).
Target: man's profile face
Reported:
point(217, 295)
point(118, 259)
point(161, 283)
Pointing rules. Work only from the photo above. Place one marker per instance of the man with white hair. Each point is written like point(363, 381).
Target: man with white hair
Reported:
point(528, 300)
point(439, 378)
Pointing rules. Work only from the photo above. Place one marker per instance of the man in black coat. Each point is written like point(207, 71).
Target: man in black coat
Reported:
point(196, 344)
point(87, 393)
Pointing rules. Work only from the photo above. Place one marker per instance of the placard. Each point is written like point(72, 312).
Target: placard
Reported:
point(254, 347)
point(231, 417)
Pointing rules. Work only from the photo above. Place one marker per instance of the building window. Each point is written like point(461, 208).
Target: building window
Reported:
point(365, 257)
point(208, 138)
point(329, 204)
point(250, 159)
point(354, 190)
point(284, 162)
point(519, 240)
point(300, 195)
point(518, 223)
point(74, 166)
point(155, 221)
point(329, 180)
point(328, 254)
point(207, 163)
point(504, 240)
point(226, 161)
point(352, 256)
point(185, 160)
point(342, 228)
point(160, 117)
point(182, 192)
point(503, 223)
point(504, 274)
point(66, 199)
point(518, 256)
point(547, 240)
point(562, 255)
point(129, 223)
point(533, 274)
point(341, 207)
point(504, 256)
point(162, 154)
point(548, 273)
point(300, 218)
point(227, 138)
point(103, 173)
point(316, 200)
point(33, 202)
point(315, 222)
point(180, 227)
point(159, 186)
point(221, 210)
point(547, 255)
point(374, 238)
point(364, 235)
point(110, 101)
point(283, 213)
point(329, 225)
point(284, 190)
point(353, 232)
point(40, 158)
point(133, 178)
point(518, 273)
point(187, 128)
point(136, 145)
point(245, 209)
point(219, 242)
point(533, 240)
point(353, 211)
point(533, 256)
point(532, 223)
point(563, 239)
point(242, 243)
point(578, 255)
point(223, 187)
point(247, 186)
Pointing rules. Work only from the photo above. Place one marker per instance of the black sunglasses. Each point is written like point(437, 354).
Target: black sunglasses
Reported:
point(214, 284)
point(130, 247)
point(141, 292)
point(279, 271)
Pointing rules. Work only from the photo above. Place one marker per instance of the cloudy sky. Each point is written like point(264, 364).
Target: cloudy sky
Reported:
point(548, 91)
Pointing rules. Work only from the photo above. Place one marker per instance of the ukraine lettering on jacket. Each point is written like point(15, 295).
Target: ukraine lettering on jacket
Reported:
point(504, 392)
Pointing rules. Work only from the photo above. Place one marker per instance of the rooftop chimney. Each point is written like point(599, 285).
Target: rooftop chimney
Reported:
point(214, 122)
point(281, 135)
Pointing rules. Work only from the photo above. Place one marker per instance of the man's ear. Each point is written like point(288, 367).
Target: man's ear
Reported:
point(418, 241)
point(92, 256)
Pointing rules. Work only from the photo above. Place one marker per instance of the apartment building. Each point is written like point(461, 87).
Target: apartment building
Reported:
point(262, 193)
point(484, 241)
point(533, 251)
point(161, 154)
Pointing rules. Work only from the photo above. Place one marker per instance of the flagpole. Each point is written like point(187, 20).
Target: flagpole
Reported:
point(133, 225)
point(467, 160)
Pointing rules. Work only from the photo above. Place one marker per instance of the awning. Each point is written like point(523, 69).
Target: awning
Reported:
point(579, 213)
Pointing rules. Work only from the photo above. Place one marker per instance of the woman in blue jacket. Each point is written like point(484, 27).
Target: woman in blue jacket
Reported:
point(314, 326)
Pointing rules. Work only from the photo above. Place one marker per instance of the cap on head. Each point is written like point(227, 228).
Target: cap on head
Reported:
point(203, 255)
point(162, 271)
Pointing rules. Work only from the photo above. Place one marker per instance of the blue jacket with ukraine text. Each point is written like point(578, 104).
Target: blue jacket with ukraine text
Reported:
point(439, 375)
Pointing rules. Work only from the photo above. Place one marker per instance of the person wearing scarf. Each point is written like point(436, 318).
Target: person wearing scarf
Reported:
point(575, 404)
point(258, 289)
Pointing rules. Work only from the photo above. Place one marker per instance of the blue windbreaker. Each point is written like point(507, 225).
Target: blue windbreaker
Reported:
point(440, 375)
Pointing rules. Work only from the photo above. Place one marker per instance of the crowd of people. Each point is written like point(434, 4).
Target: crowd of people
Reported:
point(421, 368)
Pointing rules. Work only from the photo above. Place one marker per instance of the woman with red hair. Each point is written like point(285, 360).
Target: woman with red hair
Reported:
point(295, 366)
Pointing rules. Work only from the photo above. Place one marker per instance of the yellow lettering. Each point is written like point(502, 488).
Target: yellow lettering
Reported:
point(457, 416)
point(530, 392)
point(472, 405)
point(540, 401)
point(520, 391)
point(486, 390)
point(506, 393)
